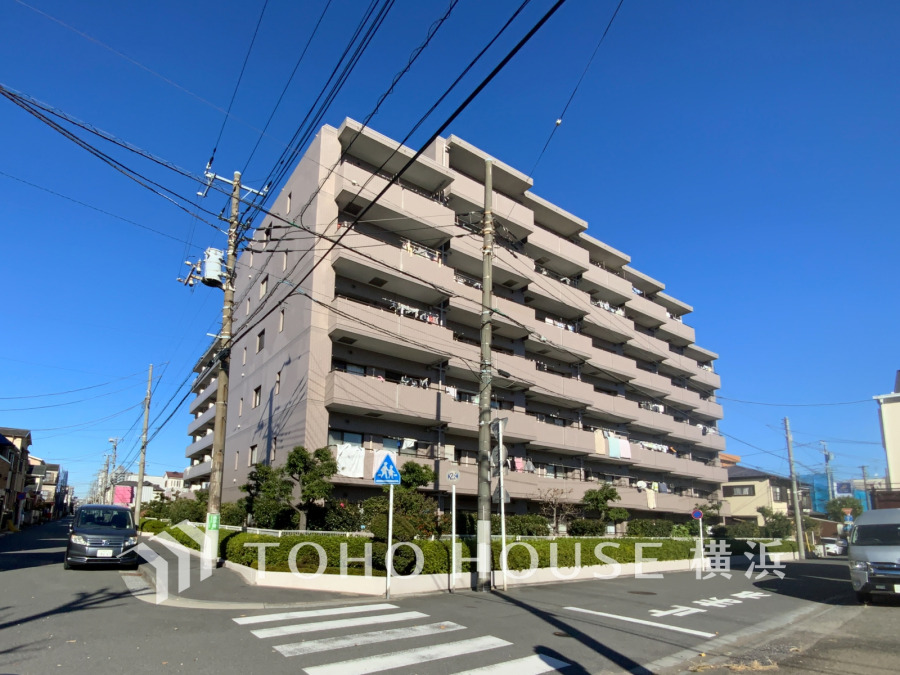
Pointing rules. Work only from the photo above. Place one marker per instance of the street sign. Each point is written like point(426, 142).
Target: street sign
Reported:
point(452, 476)
point(495, 498)
point(387, 473)
point(696, 514)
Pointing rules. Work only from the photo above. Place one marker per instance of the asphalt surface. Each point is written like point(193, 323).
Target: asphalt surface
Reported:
point(104, 620)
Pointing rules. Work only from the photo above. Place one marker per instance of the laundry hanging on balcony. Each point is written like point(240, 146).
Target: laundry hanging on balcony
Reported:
point(351, 460)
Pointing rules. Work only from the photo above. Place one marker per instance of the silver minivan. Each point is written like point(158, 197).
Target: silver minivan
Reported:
point(874, 554)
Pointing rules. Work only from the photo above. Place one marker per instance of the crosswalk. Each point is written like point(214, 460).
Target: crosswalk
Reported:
point(389, 646)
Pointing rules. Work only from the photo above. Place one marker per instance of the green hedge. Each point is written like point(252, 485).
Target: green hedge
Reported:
point(153, 525)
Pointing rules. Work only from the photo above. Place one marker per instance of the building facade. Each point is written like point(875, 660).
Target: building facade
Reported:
point(14, 444)
point(362, 333)
point(889, 416)
point(749, 489)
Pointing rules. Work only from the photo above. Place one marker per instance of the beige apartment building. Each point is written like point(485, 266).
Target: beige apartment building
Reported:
point(889, 416)
point(365, 335)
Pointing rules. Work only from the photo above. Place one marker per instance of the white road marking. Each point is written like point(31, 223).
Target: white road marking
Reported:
point(309, 613)
point(409, 657)
point(643, 622)
point(530, 665)
point(293, 629)
point(372, 637)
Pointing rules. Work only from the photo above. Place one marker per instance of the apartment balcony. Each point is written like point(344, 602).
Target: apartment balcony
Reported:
point(683, 398)
point(709, 409)
point(706, 379)
point(202, 423)
point(652, 384)
point(198, 473)
point(647, 348)
point(651, 460)
point(681, 365)
point(563, 256)
point(202, 446)
point(377, 149)
point(375, 398)
point(676, 332)
point(547, 294)
point(403, 270)
point(651, 422)
point(205, 396)
point(559, 340)
point(465, 254)
point(615, 365)
point(510, 322)
point(352, 323)
point(467, 195)
point(703, 471)
point(616, 409)
point(605, 284)
point(685, 432)
point(564, 392)
point(555, 219)
point(607, 325)
point(646, 312)
point(399, 210)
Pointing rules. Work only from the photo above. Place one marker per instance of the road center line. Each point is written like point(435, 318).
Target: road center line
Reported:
point(643, 622)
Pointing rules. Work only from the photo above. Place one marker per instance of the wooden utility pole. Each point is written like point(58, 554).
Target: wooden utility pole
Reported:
point(217, 466)
point(795, 493)
point(103, 475)
point(865, 474)
point(140, 482)
point(483, 531)
point(828, 457)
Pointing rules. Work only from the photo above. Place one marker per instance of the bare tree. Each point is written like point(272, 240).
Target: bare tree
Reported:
point(557, 506)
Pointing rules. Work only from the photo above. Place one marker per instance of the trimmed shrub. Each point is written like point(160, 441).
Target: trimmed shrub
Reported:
point(743, 530)
point(587, 528)
point(233, 513)
point(153, 526)
point(650, 528)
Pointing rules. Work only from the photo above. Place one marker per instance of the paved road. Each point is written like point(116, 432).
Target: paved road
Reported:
point(87, 621)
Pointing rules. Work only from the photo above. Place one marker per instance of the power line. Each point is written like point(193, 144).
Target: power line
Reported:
point(794, 405)
point(237, 84)
point(577, 85)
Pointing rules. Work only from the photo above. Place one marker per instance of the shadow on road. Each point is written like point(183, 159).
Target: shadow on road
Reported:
point(624, 662)
point(820, 580)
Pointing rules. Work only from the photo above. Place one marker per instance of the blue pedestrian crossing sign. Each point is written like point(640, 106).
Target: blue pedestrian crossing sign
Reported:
point(386, 473)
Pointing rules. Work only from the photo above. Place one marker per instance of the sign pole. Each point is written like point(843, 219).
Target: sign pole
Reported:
point(453, 537)
point(389, 559)
point(701, 543)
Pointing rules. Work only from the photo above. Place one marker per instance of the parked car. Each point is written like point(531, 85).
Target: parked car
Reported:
point(101, 534)
point(834, 546)
point(874, 554)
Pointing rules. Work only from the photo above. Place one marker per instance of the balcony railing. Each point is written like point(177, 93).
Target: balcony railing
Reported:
point(613, 309)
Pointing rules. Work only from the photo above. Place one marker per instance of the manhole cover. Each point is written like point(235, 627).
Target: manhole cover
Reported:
point(642, 592)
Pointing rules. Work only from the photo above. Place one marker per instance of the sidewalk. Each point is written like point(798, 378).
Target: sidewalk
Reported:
point(225, 588)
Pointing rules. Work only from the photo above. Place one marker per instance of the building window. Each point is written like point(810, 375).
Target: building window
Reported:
point(240, 407)
point(336, 437)
point(251, 458)
point(260, 341)
point(281, 321)
point(257, 397)
point(267, 234)
point(251, 258)
point(278, 383)
point(287, 207)
point(739, 490)
point(283, 260)
point(244, 357)
point(237, 458)
point(274, 449)
point(263, 286)
point(778, 494)
point(247, 307)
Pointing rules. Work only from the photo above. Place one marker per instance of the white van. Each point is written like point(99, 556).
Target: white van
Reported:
point(874, 554)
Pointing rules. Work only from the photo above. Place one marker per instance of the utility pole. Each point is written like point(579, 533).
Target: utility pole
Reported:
point(795, 493)
point(111, 485)
point(103, 476)
point(828, 457)
point(483, 531)
point(140, 481)
point(217, 466)
point(865, 486)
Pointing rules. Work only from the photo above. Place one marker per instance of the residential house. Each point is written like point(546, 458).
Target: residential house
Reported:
point(749, 489)
point(14, 444)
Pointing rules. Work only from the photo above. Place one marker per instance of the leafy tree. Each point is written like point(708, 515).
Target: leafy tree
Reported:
point(598, 500)
point(414, 475)
point(272, 492)
point(777, 525)
point(834, 508)
point(416, 508)
point(711, 512)
point(234, 513)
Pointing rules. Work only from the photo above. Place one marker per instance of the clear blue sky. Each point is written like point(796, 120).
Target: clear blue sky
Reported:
point(745, 153)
